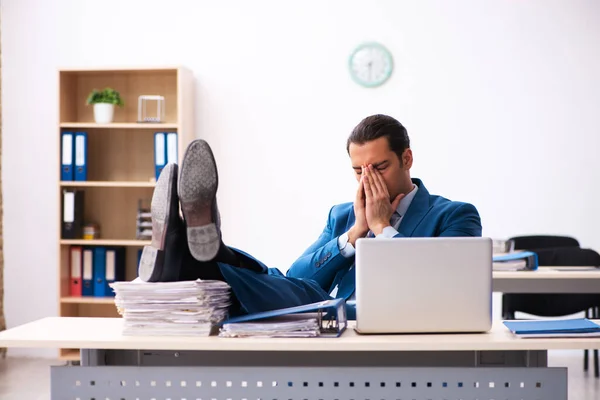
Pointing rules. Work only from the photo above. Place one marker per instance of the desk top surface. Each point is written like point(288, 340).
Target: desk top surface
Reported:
point(551, 273)
point(105, 333)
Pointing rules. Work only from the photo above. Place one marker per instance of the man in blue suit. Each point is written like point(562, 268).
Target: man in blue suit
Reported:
point(388, 203)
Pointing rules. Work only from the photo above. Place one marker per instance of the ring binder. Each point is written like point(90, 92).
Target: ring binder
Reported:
point(81, 152)
point(67, 145)
point(517, 261)
point(330, 316)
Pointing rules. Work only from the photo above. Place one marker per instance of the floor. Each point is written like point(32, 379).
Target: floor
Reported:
point(29, 378)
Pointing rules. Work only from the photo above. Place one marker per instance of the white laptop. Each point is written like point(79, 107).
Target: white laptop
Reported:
point(423, 285)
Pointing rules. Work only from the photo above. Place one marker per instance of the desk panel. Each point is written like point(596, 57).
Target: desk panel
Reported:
point(548, 280)
point(307, 383)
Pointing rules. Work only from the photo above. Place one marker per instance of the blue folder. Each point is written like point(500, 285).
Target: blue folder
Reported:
point(160, 152)
point(549, 328)
point(81, 155)
point(67, 151)
point(530, 258)
point(99, 271)
point(171, 139)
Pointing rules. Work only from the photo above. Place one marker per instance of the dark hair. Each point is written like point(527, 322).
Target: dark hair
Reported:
point(377, 126)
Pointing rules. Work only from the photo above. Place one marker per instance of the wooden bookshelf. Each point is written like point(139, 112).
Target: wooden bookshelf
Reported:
point(118, 125)
point(120, 165)
point(88, 300)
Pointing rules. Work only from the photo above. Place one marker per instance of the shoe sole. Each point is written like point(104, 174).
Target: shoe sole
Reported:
point(197, 193)
point(152, 261)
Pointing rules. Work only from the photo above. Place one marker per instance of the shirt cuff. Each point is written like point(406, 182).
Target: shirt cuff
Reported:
point(345, 247)
point(387, 233)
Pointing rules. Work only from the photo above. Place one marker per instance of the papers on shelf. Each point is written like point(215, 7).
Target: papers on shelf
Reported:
point(581, 327)
point(187, 308)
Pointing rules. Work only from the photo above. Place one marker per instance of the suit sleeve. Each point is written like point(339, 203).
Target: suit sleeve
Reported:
point(463, 221)
point(321, 260)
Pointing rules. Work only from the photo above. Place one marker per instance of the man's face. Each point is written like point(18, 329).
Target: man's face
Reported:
point(377, 152)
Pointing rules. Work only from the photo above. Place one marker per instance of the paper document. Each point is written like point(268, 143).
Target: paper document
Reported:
point(573, 269)
point(516, 265)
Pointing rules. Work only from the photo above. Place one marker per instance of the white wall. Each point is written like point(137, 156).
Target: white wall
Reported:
point(500, 99)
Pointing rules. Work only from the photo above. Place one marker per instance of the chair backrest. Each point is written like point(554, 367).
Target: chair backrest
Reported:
point(568, 256)
point(552, 251)
point(543, 242)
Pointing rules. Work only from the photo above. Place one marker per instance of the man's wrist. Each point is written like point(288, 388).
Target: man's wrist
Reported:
point(378, 228)
point(387, 233)
point(354, 234)
point(346, 248)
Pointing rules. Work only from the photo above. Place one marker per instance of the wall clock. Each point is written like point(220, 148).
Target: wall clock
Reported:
point(370, 64)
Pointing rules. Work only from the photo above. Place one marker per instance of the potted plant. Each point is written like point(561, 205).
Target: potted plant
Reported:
point(104, 102)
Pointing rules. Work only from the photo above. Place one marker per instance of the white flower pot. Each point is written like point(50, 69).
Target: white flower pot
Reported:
point(103, 113)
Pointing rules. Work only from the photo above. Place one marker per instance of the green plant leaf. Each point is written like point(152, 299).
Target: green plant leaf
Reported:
point(107, 95)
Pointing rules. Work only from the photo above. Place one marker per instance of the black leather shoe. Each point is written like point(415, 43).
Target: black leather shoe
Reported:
point(197, 194)
point(156, 264)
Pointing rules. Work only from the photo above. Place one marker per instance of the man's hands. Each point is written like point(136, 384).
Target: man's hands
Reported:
point(378, 209)
point(360, 227)
point(372, 207)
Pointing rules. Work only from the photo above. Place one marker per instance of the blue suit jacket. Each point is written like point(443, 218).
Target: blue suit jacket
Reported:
point(427, 216)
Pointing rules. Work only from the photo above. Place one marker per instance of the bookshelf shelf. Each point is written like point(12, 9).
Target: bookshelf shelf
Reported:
point(103, 242)
point(69, 355)
point(88, 300)
point(117, 184)
point(138, 70)
point(120, 168)
point(119, 125)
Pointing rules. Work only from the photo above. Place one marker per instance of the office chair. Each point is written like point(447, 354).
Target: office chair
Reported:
point(556, 251)
point(543, 242)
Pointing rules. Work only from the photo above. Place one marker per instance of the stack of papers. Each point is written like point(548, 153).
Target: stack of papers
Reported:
point(581, 327)
point(516, 265)
point(515, 261)
point(188, 308)
point(290, 326)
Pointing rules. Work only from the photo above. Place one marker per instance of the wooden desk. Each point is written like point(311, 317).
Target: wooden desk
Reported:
point(105, 333)
point(486, 365)
point(548, 280)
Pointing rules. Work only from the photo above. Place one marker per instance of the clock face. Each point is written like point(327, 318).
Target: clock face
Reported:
point(371, 65)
